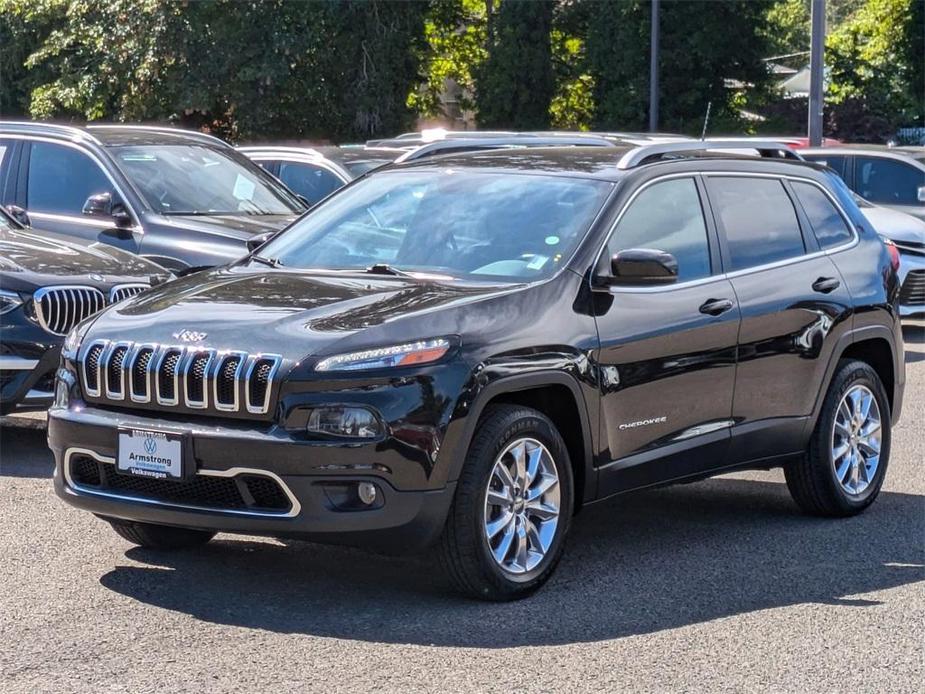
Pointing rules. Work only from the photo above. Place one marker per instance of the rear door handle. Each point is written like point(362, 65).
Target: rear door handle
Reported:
point(825, 285)
point(714, 307)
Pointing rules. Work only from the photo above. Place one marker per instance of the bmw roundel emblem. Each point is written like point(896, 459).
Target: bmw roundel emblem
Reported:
point(150, 446)
point(96, 277)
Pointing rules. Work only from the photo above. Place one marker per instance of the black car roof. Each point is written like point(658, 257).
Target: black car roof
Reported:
point(601, 163)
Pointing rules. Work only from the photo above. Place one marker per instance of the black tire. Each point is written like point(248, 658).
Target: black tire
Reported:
point(812, 479)
point(463, 549)
point(159, 536)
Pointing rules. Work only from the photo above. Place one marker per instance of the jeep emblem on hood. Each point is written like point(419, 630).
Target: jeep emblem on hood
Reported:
point(189, 336)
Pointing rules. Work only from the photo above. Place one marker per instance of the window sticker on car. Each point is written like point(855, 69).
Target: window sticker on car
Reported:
point(538, 262)
point(243, 188)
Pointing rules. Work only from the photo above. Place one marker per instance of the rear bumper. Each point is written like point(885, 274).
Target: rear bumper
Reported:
point(401, 520)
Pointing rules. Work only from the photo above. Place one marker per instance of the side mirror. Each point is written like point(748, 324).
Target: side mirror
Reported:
point(99, 205)
point(19, 214)
point(257, 240)
point(920, 193)
point(643, 266)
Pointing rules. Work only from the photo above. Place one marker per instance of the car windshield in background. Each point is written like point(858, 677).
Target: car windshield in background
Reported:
point(474, 225)
point(358, 168)
point(193, 179)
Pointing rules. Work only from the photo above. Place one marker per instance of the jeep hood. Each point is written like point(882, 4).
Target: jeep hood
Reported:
point(291, 313)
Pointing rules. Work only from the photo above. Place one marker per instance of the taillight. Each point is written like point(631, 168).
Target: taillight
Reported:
point(894, 254)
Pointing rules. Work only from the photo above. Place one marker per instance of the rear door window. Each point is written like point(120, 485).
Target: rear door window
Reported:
point(829, 226)
point(888, 181)
point(758, 219)
point(62, 178)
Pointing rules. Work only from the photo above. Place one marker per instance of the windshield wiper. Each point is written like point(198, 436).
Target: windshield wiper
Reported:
point(385, 269)
point(272, 262)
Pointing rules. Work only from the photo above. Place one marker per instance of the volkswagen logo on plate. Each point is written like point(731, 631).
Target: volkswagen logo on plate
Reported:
point(189, 336)
point(150, 446)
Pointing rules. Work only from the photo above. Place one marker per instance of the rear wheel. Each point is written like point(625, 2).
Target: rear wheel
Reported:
point(505, 530)
point(159, 536)
point(844, 466)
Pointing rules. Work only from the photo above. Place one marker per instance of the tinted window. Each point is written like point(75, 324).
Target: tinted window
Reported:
point(667, 216)
point(456, 223)
point(62, 178)
point(310, 181)
point(828, 225)
point(758, 218)
point(888, 181)
point(839, 164)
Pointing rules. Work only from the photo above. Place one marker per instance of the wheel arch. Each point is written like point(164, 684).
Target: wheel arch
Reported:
point(558, 396)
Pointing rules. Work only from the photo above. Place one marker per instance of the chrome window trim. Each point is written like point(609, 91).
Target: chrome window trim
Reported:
point(176, 376)
point(80, 148)
point(110, 393)
point(238, 380)
point(139, 348)
point(74, 488)
point(277, 362)
point(735, 273)
point(95, 392)
point(191, 354)
point(40, 293)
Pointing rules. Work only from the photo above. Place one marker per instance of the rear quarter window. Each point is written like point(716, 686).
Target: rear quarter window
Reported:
point(828, 225)
point(758, 219)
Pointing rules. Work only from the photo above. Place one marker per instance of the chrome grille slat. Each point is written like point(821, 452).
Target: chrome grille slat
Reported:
point(179, 376)
point(60, 308)
point(124, 291)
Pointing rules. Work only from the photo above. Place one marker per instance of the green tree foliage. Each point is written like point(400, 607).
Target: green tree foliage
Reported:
point(703, 45)
point(249, 68)
point(515, 83)
point(24, 26)
point(875, 75)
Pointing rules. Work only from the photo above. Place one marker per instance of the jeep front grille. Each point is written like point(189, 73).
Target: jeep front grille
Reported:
point(58, 309)
point(174, 376)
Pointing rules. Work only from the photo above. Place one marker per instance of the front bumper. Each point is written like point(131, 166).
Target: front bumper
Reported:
point(27, 382)
point(912, 285)
point(227, 457)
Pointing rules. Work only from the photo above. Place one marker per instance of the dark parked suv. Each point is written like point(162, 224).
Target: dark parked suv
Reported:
point(183, 199)
point(464, 351)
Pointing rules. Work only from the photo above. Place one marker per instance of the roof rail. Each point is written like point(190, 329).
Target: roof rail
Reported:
point(280, 149)
point(474, 144)
point(645, 154)
point(162, 129)
point(69, 132)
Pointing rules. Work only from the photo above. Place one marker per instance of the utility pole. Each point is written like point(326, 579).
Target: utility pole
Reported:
point(816, 73)
point(653, 69)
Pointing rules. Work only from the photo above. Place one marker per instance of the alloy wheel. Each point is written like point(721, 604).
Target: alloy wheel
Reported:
point(856, 440)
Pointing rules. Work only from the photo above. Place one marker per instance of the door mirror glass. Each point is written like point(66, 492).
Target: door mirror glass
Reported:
point(643, 266)
point(256, 241)
point(920, 193)
point(99, 205)
point(19, 214)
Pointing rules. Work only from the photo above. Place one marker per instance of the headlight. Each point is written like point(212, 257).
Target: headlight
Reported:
point(9, 301)
point(421, 352)
point(344, 422)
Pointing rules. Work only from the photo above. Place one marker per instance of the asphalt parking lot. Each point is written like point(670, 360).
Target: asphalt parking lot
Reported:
point(707, 586)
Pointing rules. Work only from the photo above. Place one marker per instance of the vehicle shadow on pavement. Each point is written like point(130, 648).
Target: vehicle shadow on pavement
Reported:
point(25, 453)
point(638, 564)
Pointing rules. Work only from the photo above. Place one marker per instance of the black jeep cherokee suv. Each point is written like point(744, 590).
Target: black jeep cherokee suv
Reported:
point(183, 199)
point(463, 351)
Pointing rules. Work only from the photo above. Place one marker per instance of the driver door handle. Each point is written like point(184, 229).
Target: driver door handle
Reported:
point(714, 307)
point(825, 285)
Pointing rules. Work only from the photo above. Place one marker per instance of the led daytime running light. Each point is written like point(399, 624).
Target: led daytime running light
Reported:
point(421, 352)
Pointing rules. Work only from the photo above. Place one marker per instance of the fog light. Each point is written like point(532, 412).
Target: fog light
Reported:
point(343, 422)
point(367, 493)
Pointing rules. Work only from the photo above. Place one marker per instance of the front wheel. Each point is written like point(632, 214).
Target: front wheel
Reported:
point(513, 505)
point(843, 468)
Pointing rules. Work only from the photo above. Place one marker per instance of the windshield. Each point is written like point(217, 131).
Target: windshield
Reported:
point(470, 224)
point(196, 179)
point(358, 168)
